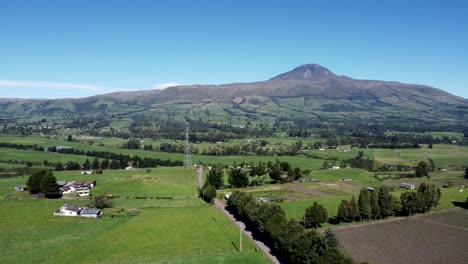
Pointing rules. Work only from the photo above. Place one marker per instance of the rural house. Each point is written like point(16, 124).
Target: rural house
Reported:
point(68, 210)
point(407, 185)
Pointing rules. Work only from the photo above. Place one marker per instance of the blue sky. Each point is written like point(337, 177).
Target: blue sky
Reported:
point(52, 49)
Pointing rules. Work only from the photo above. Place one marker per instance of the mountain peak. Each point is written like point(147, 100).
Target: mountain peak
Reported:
point(306, 72)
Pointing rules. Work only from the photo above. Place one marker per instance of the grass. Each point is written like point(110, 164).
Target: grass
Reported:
point(30, 234)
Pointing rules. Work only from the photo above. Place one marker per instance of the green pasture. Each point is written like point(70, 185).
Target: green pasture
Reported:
point(30, 234)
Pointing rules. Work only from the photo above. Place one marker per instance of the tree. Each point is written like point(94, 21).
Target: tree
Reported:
point(49, 186)
point(275, 173)
point(34, 181)
point(326, 165)
point(284, 165)
point(105, 164)
point(95, 165)
point(343, 211)
point(132, 144)
point(315, 215)
point(411, 203)
point(100, 202)
point(69, 138)
point(353, 209)
point(238, 178)
point(72, 165)
point(86, 165)
point(374, 202)
point(216, 176)
point(422, 169)
point(59, 166)
point(466, 173)
point(114, 165)
point(298, 173)
point(385, 201)
point(208, 192)
point(291, 174)
point(364, 204)
point(430, 195)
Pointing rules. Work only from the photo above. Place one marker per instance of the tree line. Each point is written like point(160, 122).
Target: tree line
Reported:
point(288, 239)
point(380, 203)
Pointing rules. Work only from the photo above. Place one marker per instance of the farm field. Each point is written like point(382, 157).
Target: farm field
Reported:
point(30, 234)
point(439, 237)
point(150, 230)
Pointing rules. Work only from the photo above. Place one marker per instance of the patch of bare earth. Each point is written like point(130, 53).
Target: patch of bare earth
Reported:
point(304, 189)
point(424, 239)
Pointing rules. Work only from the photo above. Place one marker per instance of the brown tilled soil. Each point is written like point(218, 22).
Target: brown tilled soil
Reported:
point(434, 238)
point(303, 189)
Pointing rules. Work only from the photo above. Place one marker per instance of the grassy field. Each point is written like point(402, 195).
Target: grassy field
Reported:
point(30, 234)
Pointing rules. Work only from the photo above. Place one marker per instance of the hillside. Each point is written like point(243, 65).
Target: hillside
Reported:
point(308, 91)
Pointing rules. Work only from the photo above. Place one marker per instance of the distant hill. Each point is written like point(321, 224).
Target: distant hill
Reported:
point(308, 91)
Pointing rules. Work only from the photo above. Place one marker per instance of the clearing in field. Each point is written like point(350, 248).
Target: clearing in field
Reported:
point(439, 237)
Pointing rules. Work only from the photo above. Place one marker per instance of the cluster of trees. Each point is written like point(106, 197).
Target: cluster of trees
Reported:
point(132, 144)
point(254, 148)
point(315, 215)
point(100, 202)
point(356, 162)
point(280, 171)
point(380, 203)
point(289, 239)
point(43, 181)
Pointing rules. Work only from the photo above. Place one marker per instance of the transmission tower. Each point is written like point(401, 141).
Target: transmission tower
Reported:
point(188, 157)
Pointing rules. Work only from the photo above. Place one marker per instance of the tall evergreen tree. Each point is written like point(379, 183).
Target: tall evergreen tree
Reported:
point(385, 201)
point(49, 186)
point(86, 165)
point(216, 176)
point(105, 164)
point(95, 165)
point(34, 181)
point(343, 211)
point(374, 201)
point(364, 205)
point(353, 209)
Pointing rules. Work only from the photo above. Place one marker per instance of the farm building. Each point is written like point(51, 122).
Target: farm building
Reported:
point(130, 168)
point(74, 210)
point(19, 188)
point(91, 184)
point(62, 147)
point(68, 210)
point(61, 183)
point(407, 185)
point(335, 167)
point(82, 191)
point(86, 172)
point(66, 190)
point(91, 213)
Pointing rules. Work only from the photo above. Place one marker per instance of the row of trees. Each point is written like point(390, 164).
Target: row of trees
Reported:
point(380, 203)
point(289, 239)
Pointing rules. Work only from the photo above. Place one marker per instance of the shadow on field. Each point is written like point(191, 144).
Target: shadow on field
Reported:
point(232, 242)
point(463, 205)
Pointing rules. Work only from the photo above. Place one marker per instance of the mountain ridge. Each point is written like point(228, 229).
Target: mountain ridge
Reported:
point(310, 89)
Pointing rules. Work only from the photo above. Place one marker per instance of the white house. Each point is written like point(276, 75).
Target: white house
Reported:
point(407, 185)
point(86, 172)
point(68, 210)
point(83, 191)
point(66, 190)
point(129, 168)
point(335, 167)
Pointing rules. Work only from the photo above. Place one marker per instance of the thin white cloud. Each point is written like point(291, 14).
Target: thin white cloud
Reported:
point(52, 85)
point(165, 85)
